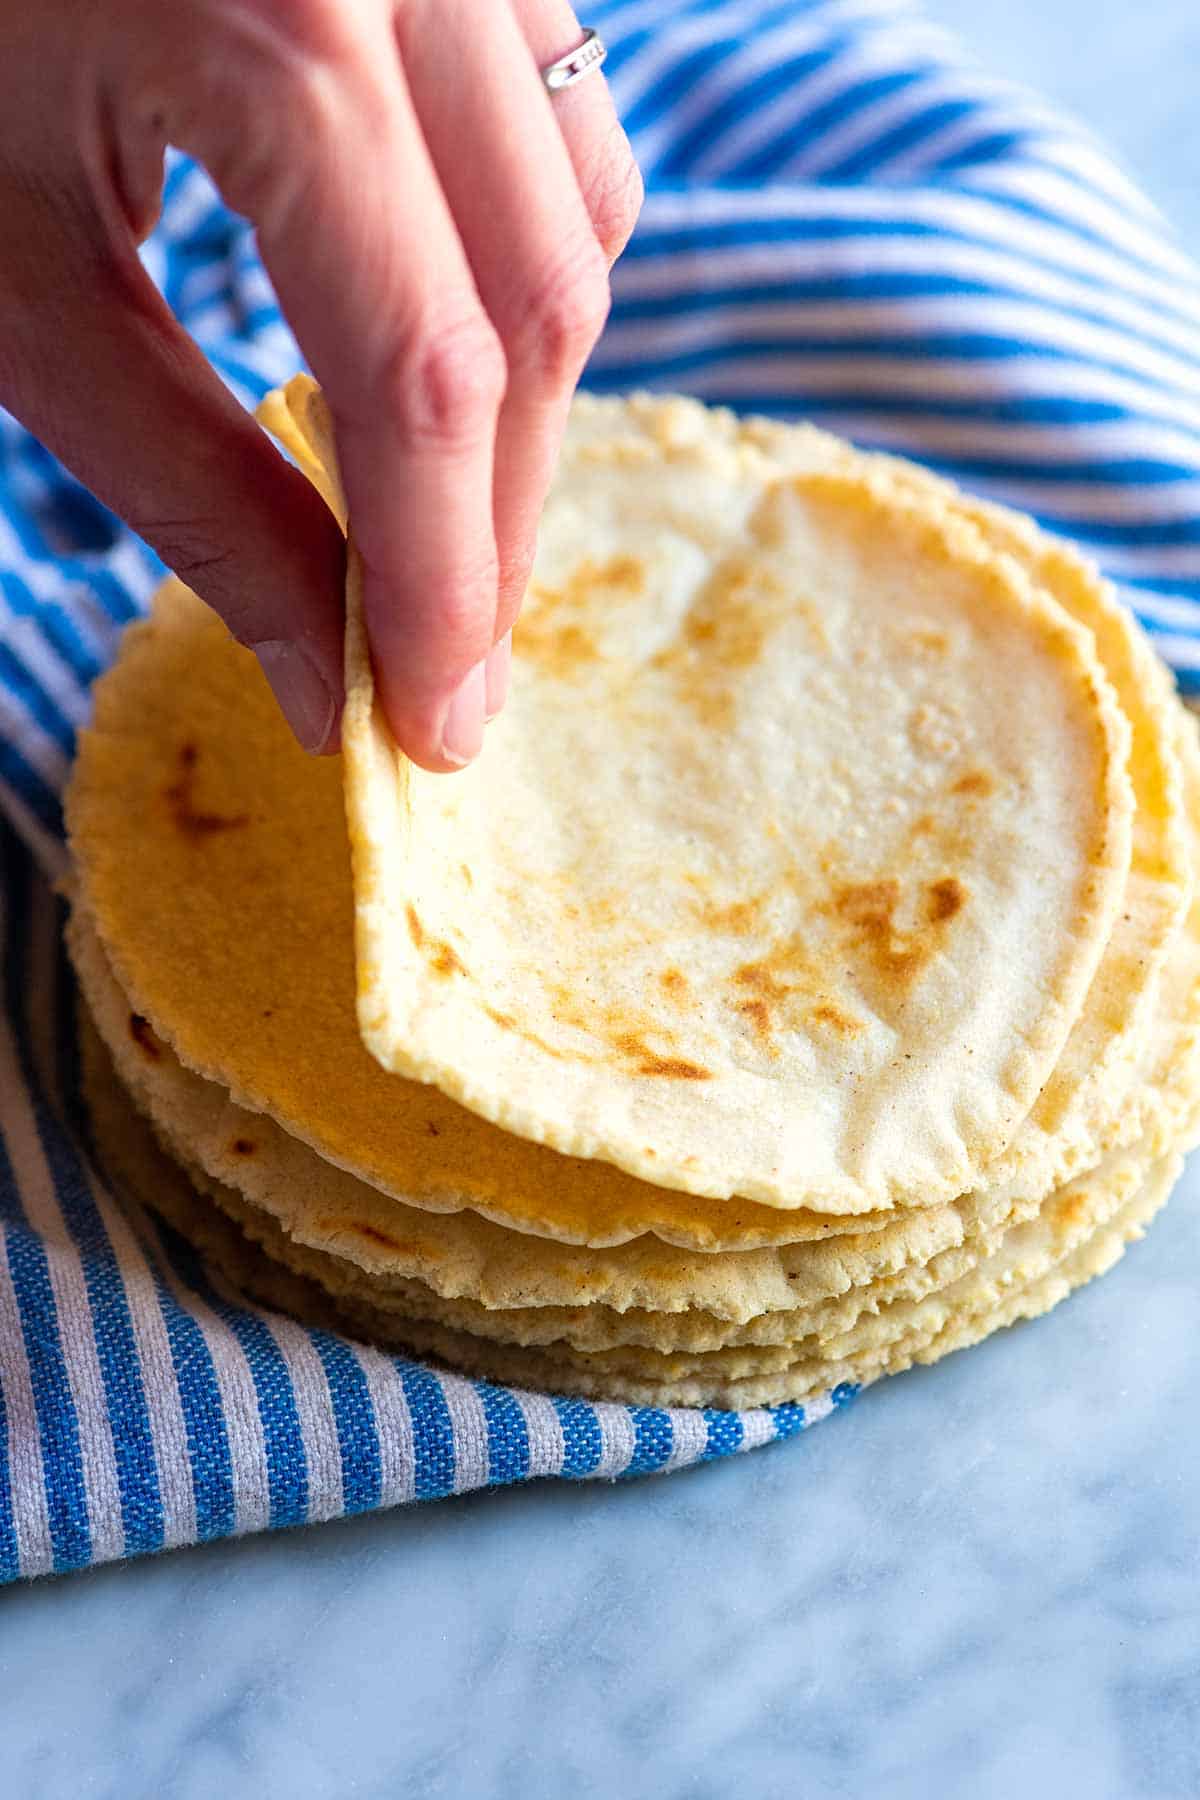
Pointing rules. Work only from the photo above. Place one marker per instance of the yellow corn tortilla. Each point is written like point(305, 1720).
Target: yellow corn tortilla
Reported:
point(1078, 1235)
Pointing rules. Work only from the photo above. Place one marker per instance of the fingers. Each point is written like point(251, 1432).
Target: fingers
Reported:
point(93, 363)
point(539, 268)
point(441, 267)
point(356, 233)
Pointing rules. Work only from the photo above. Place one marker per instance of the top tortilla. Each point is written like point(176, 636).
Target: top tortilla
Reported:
point(788, 867)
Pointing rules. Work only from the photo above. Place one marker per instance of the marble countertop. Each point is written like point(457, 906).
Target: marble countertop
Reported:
point(980, 1579)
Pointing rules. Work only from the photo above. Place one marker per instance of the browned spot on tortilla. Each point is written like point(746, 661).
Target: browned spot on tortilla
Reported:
point(674, 982)
point(946, 897)
point(725, 629)
point(441, 957)
point(467, 875)
point(868, 909)
point(601, 910)
point(732, 639)
point(974, 782)
point(507, 1023)
point(926, 638)
point(637, 1037)
point(924, 826)
point(770, 989)
point(905, 962)
point(445, 961)
point(374, 1236)
point(400, 1246)
point(759, 1015)
point(189, 819)
point(626, 573)
point(827, 1014)
point(142, 1033)
point(649, 1062)
point(242, 1146)
point(558, 650)
point(737, 916)
point(868, 904)
point(554, 629)
point(761, 979)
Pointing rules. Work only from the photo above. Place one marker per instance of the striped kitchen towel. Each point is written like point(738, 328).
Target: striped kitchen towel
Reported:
point(845, 219)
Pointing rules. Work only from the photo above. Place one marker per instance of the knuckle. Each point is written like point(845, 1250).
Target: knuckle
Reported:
point(288, 27)
point(447, 382)
point(260, 91)
point(564, 318)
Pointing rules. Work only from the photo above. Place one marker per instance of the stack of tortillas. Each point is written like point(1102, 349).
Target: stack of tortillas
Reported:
point(804, 982)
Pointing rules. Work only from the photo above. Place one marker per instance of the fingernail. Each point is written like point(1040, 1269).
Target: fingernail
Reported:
point(301, 690)
point(462, 731)
point(495, 672)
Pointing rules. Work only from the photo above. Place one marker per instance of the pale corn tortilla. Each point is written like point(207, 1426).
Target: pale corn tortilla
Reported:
point(252, 1273)
point(1025, 1279)
point(1075, 1108)
point(517, 1288)
point(870, 1320)
point(865, 1319)
point(456, 1267)
point(264, 906)
point(569, 1373)
point(460, 1255)
point(1082, 1103)
point(270, 895)
point(740, 896)
point(1163, 1096)
point(227, 917)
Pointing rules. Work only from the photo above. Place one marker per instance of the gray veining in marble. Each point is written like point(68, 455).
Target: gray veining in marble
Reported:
point(982, 1580)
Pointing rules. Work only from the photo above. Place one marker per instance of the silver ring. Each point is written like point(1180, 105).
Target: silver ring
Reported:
point(568, 69)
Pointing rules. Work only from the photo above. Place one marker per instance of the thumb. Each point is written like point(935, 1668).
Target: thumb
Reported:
point(94, 363)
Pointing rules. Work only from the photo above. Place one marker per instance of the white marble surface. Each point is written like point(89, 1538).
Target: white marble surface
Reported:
point(982, 1579)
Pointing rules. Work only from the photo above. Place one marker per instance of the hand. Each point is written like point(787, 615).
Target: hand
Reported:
point(439, 233)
